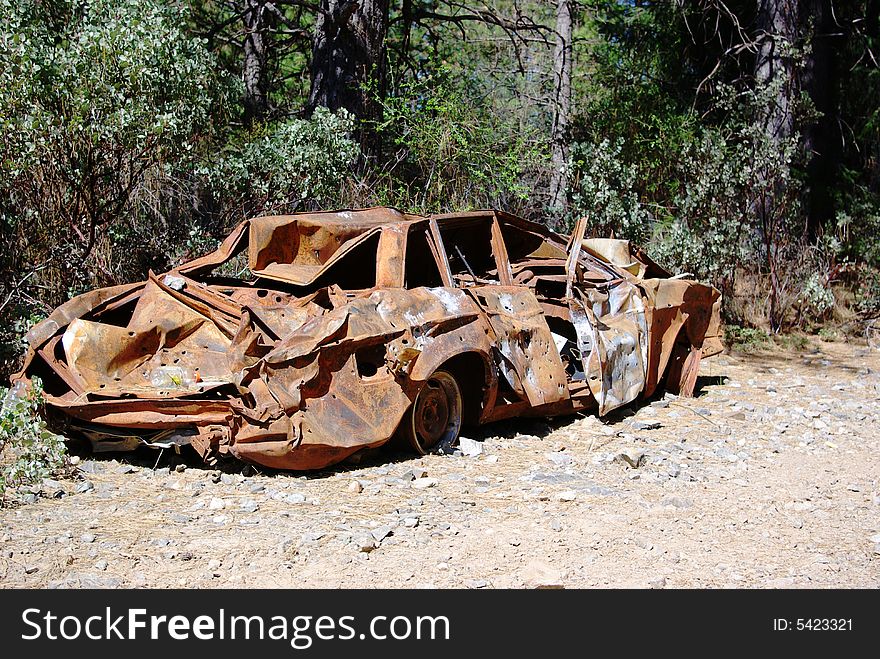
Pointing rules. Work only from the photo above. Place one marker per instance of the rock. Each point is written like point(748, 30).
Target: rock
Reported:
point(216, 504)
point(656, 584)
point(122, 469)
point(555, 525)
point(249, 506)
point(660, 404)
point(631, 457)
point(410, 522)
point(87, 538)
point(214, 564)
point(313, 536)
point(560, 459)
point(30, 497)
point(101, 565)
point(180, 468)
point(737, 416)
point(875, 538)
point(365, 542)
point(538, 574)
point(491, 459)
point(470, 447)
point(228, 479)
point(643, 543)
point(295, 497)
point(355, 487)
point(185, 556)
point(162, 471)
point(422, 483)
point(30, 569)
point(646, 424)
point(382, 532)
point(567, 495)
point(414, 474)
point(677, 502)
point(476, 583)
point(85, 486)
point(74, 460)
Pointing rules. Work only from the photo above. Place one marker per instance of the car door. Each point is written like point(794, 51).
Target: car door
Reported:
point(476, 262)
point(608, 314)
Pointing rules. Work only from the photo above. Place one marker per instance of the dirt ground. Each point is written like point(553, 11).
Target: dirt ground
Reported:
point(769, 478)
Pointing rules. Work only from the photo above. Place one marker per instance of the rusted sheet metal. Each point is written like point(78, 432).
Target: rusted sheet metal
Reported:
point(527, 356)
point(345, 317)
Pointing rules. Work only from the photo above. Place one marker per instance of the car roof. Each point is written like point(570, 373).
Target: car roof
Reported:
point(349, 219)
point(364, 219)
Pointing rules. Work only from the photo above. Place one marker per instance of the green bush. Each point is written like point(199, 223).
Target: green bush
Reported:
point(745, 338)
point(284, 165)
point(29, 451)
point(604, 188)
point(450, 153)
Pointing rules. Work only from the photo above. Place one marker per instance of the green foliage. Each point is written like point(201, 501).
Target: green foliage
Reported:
point(286, 164)
point(30, 451)
point(817, 295)
point(91, 103)
point(745, 338)
point(451, 153)
point(867, 291)
point(604, 187)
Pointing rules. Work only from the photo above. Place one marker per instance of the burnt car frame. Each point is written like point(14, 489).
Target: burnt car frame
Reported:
point(354, 327)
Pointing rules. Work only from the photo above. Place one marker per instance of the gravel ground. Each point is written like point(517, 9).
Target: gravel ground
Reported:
point(769, 478)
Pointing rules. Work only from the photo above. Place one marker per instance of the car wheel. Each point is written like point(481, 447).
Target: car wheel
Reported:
point(435, 415)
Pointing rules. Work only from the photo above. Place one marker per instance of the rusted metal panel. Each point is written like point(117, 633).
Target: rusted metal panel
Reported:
point(291, 369)
point(528, 357)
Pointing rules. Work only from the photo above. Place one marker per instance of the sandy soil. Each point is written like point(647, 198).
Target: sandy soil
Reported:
point(769, 478)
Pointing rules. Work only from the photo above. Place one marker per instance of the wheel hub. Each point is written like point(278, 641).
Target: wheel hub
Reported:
point(432, 414)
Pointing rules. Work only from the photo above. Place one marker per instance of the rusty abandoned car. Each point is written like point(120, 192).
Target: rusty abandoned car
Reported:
point(353, 327)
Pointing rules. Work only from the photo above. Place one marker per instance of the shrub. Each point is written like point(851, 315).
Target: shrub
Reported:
point(284, 165)
point(450, 153)
point(604, 187)
point(30, 451)
point(745, 338)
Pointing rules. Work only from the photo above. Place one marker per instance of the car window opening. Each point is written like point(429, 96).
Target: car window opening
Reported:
point(469, 250)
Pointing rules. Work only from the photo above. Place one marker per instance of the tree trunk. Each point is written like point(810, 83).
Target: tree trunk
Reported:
point(348, 53)
point(562, 67)
point(777, 23)
point(253, 73)
point(822, 139)
point(777, 27)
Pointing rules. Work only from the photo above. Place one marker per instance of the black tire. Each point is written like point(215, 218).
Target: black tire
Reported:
point(435, 416)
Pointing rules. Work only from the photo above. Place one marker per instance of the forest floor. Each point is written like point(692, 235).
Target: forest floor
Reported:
point(769, 478)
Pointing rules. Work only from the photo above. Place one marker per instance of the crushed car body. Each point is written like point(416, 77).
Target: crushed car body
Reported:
point(351, 327)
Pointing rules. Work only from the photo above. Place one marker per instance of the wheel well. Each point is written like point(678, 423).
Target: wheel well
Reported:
point(470, 371)
point(669, 380)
